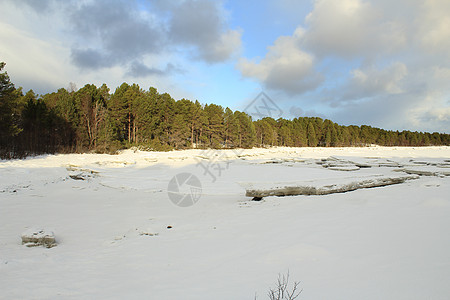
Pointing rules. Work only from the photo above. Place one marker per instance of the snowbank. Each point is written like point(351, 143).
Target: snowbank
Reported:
point(119, 235)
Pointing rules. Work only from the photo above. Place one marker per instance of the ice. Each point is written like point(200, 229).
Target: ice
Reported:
point(38, 237)
point(322, 187)
point(120, 237)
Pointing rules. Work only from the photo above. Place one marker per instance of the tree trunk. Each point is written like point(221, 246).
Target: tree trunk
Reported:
point(192, 134)
point(129, 127)
point(134, 131)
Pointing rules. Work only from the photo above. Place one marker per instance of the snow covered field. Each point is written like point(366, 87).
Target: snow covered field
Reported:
point(119, 236)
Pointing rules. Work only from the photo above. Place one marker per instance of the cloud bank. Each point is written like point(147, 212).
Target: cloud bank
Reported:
point(396, 54)
point(286, 66)
point(379, 62)
point(108, 33)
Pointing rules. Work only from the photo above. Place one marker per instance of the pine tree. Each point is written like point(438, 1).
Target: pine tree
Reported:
point(120, 111)
point(334, 140)
point(8, 114)
point(232, 128)
point(91, 106)
point(299, 133)
point(92, 119)
point(181, 130)
point(215, 115)
point(247, 133)
point(62, 105)
point(199, 123)
point(166, 115)
point(311, 135)
point(284, 132)
point(345, 137)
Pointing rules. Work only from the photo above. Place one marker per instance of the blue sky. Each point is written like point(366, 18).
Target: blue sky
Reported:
point(383, 63)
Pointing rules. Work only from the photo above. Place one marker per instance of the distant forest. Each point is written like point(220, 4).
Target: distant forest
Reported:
point(94, 119)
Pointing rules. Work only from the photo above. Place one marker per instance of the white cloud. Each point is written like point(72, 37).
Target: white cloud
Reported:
point(347, 29)
point(203, 25)
point(370, 80)
point(285, 67)
point(351, 28)
point(380, 61)
point(47, 45)
point(33, 61)
point(383, 62)
point(224, 48)
point(431, 113)
point(434, 27)
point(105, 34)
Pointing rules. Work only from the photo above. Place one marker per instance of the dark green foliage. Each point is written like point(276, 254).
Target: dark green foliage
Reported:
point(246, 132)
point(42, 129)
point(92, 119)
point(312, 135)
point(90, 103)
point(8, 114)
point(215, 126)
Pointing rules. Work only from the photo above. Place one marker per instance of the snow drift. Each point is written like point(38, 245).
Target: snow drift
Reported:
point(120, 237)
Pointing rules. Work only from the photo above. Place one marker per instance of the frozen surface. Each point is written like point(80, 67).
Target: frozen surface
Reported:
point(323, 186)
point(120, 237)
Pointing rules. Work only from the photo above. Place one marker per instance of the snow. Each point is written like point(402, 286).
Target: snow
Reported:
point(120, 236)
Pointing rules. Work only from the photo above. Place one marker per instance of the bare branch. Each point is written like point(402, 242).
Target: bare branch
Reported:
point(282, 291)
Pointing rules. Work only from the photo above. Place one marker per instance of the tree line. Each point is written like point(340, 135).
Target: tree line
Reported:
point(94, 119)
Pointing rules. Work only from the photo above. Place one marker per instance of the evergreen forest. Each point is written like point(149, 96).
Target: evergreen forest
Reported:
point(95, 119)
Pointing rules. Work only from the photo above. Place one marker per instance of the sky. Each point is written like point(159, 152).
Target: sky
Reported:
point(383, 63)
